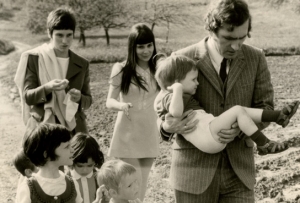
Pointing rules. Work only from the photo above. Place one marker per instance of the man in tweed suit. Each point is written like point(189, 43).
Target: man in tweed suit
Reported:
point(228, 176)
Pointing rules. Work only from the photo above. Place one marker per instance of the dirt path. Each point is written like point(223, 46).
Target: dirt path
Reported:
point(11, 132)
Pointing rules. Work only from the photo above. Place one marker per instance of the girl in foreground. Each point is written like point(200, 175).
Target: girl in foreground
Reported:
point(48, 147)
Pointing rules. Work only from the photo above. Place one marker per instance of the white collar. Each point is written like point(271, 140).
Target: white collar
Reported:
point(77, 176)
point(214, 54)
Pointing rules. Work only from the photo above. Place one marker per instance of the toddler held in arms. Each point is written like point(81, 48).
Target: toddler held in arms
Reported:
point(178, 79)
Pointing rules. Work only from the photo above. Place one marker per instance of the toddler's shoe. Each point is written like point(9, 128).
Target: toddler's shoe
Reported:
point(287, 113)
point(272, 147)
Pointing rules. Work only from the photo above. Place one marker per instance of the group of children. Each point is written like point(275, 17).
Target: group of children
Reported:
point(51, 146)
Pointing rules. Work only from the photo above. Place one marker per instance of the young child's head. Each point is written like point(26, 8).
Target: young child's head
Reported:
point(177, 68)
point(24, 165)
point(48, 143)
point(86, 154)
point(120, 179)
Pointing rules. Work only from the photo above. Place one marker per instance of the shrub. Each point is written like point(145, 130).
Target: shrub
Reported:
point(6, 47)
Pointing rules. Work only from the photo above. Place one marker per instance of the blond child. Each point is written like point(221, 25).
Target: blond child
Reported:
point(178, 79)
point(48, 147)
point(120, 181)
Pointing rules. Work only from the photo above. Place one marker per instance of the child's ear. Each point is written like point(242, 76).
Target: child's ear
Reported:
point(28, 172)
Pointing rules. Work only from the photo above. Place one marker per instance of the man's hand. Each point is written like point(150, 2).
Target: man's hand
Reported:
point(75, 95)
point(227, 136)
point(56, 85)
point(182, 125)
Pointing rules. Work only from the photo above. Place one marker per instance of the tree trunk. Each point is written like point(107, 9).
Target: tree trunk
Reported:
point(107, 36)
point(82, 36)
point(152, 27)
point(168, 31)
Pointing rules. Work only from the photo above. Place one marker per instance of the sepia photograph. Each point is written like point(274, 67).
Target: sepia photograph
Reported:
point(150, 101)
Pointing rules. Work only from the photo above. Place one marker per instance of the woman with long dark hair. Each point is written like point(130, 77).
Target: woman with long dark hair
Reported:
point(132, 92)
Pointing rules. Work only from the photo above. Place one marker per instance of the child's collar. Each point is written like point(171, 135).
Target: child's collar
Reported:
point(77, 176)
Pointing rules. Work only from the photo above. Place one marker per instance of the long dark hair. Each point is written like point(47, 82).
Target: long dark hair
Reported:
point(139, 34)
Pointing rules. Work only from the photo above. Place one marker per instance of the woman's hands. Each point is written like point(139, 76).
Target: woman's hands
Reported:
point(125, 107)
point(56, 85)
point(75, 95)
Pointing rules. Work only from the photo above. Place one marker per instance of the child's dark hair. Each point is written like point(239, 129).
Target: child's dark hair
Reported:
point(40, 144)
point(173, 68)
point(140, 34)
point(22, 162)
point(61, 19)
point(84, 147)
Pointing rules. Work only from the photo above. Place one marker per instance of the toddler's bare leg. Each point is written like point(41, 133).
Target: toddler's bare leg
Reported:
point(238, 114)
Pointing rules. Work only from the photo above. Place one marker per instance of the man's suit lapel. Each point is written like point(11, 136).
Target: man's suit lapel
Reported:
point(236, 67)
point(74, 65)
point(206, 67)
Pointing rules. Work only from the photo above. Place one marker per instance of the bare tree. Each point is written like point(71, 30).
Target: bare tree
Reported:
point(279, 3)
point(110, 14)
point(84, 17)
point(37, 12)
point(153, 15)
point(171, 13)
point(162, 13)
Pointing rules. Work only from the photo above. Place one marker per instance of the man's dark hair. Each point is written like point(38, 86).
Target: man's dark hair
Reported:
point(41, 143)
point(231, 12)
point(61, 19)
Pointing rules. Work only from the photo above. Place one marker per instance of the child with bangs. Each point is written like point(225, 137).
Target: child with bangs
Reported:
point(48, 147)
point(132, 92)
point(87, 158)
point(178, 78)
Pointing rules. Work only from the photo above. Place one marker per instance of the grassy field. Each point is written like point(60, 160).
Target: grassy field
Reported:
point(272, 30)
